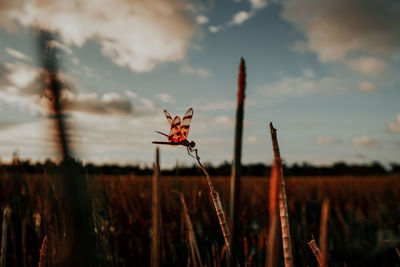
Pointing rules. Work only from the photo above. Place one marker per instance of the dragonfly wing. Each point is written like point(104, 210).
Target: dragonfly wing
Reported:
point(175, 133)
point(168, 116)
point(186, 123)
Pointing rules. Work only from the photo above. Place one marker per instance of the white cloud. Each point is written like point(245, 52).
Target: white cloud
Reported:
point(224, 121)
point(258, 4)
point(299, 86)
point(366, 86)
point(139, 34)
point(17, 54)
point(165, 98)
point(367, 65)
point(130, 94)
point(363, 141)
point(107, 104)
point(214, 29)
point(326, 140)
point(201, 19)
point(335, 28)
point(252, 140)
point(394, 126)
point(240, 17)
point(20, 75)
point(203, 73)
point(21, 85)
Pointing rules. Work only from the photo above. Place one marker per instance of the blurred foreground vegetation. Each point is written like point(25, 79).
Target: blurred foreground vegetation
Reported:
point(363, 223)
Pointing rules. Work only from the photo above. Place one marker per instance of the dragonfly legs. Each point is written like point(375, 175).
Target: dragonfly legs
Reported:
point(190, 152)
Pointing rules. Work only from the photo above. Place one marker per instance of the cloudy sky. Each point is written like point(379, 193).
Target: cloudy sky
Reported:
point(325, 73)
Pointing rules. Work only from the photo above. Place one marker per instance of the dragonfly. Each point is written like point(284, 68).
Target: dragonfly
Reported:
point(179, 131)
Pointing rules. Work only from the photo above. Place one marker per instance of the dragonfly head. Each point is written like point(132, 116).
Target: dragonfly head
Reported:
point(192, 144)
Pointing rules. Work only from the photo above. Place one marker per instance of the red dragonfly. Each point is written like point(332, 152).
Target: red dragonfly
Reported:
point(179, 131)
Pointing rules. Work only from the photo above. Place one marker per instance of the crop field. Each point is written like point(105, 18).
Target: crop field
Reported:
point(362, 227)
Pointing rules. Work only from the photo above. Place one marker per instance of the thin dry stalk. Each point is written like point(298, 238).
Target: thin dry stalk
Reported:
point(317, 253)
point(6, 214)
point(194, 249)
point(283, 210)
point(78, 210)
point(273, 240)
point(236, 166)
point(217, 205)
point(155, 211)
point(323, 231)
point(43, 253)
point(215, 256)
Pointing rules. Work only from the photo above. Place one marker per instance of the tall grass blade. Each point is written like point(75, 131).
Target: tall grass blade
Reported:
point(323, 231)
point(273, 228)
point(283, 210)
point(194, 249)
point(43, 253)
point(4, 235)
point(156, 213)
point(235, 179)
point(317, 252)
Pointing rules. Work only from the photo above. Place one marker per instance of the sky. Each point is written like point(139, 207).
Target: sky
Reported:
point(326, 73)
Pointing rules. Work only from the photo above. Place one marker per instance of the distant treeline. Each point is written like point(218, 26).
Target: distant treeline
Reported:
point(224, 169)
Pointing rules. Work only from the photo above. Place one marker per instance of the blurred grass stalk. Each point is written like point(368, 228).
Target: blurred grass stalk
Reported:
point(156, 213)
point(4, 233)
point(317, 252)
point(194, 249)
point(323, 232)
point(43, 253)
point(283, 210)
point(273, 230)
point(79, 248)
point(235, 178)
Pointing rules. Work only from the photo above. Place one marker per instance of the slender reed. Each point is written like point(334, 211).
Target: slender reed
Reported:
point(235, 178)
point(323, 231)
point(283, 211)
point(273, 230)
point(217, 204)
point(43, 253)
point(317, 253)
point(78, 210)
point(155, 211)
point(6, 214)
point(194, 249)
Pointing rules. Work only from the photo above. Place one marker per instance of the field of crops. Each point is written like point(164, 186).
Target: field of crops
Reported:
point(363, 222)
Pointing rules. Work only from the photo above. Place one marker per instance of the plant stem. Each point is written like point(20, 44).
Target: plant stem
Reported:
point(273, 240)
point(283, 211)
point(217, 205)
point(155, 211)
point(43, 253)
point(191, 235)
point(323, 231)
point(6, 215)
point(235, 178)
